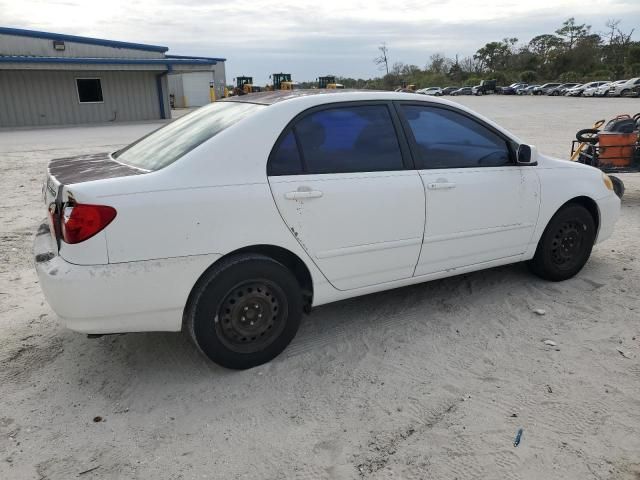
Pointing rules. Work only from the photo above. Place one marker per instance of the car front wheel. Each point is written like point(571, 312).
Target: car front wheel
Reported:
point(245, 311)
point(565, 245)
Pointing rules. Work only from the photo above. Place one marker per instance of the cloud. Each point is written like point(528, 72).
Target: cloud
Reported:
point(264, 36)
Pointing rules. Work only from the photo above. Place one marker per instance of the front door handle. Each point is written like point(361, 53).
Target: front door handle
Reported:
point(302, 193)
point(441, 185)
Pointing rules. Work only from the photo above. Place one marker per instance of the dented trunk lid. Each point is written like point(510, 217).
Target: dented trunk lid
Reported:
point(86, 168)
point(63, 172)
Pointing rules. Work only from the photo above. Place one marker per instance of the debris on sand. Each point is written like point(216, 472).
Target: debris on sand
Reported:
point(89, 470)
point(623, 353)
point(516, 442)
point(551, 343)
point(540, 311)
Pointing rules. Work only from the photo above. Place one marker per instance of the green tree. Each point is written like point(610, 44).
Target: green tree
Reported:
point(528, 76)
point(571, 32)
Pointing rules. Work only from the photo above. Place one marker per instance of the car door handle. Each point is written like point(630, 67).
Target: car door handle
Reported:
point(300, 194)
point(441, 185)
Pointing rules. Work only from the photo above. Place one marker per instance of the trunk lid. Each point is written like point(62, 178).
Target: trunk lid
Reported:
point(63, 172)
point(86, 168)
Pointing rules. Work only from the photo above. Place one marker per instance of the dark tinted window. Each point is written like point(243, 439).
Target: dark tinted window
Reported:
point(285, 160)
point(349, 139)
point(447, 139)
point(89, 90)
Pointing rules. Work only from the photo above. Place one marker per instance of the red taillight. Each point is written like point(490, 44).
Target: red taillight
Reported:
point(81, 222)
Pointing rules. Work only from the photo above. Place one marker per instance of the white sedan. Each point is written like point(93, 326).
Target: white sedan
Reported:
point(232, 221)
point(592, 89)
point(435, 91)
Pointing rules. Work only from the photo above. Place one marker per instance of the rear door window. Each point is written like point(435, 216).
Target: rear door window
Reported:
point(355, 138)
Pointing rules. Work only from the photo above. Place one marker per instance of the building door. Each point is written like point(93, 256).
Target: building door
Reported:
point(196, 88)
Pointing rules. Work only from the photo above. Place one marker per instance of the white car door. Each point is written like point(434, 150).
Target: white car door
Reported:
point(342, 180)
point(481, 206)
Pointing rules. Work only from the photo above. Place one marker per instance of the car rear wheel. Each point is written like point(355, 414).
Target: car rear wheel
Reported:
point(565, 245)
point(245, 311)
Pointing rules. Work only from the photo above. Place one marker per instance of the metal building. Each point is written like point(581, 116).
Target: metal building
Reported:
point(53, 79)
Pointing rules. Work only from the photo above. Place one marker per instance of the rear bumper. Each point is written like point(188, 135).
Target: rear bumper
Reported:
point(117, 298)
point(609, 207)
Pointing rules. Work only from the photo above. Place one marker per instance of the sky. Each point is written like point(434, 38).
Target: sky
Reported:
point(310, 39)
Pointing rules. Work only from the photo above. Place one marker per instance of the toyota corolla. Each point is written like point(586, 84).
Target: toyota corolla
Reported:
point(232, 221)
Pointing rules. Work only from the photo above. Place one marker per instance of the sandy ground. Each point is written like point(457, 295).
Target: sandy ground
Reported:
point(430, 381)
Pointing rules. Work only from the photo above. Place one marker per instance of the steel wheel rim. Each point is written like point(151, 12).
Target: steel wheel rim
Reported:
point(567, 244)
point(251, 316)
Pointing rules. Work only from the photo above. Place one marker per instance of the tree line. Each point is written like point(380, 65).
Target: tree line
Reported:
point(573, 53)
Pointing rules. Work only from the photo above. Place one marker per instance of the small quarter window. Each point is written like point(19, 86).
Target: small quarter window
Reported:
point(89, 90)
point(285, 160)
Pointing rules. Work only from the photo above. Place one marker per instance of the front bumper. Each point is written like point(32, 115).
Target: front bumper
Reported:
point(609, 207)
point(116, 298)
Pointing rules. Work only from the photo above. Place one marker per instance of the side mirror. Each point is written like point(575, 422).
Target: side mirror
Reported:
point(524, 156)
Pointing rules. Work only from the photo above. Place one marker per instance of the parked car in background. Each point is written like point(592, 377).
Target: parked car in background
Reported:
point(590, 90)
point(435, 91)
point(195, 228)
point(575, 91)
point(526, 90)
point(511, 89)
point(626, 88)
point(608, 90)
point(561, 89)
point(463, 91)
point(448, 90)
point(603, 90)
point(486, 87)
point(545, 89)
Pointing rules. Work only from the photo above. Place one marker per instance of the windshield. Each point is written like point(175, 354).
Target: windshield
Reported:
point(167, 144)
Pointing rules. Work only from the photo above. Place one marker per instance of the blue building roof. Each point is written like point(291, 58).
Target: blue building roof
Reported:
point(87, 40)
point(110, 61)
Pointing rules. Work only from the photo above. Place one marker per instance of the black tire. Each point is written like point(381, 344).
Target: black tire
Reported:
point(625, 92)
point(588, 135)
point(565, 245)
point(256, 284)
point(618, 186)
point(555, 94)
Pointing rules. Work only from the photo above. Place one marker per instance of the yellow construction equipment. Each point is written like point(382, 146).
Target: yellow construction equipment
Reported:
point(281, 81)
point(243, 85)
point(329, 82)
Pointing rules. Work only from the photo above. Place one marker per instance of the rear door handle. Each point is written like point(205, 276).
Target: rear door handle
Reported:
point(441, 185)
point(302, 193)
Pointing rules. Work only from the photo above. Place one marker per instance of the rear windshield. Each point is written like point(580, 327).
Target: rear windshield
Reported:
point(167, 144)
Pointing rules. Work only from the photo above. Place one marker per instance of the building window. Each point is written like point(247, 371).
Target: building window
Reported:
point(89, 90)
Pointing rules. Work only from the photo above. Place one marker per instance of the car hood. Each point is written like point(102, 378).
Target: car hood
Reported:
point(552, 162)
point(86, 168)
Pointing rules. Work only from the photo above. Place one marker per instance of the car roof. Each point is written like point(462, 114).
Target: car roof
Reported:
point(347, 95)
point(269, 98)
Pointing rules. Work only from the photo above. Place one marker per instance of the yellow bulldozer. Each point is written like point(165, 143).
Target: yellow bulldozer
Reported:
point(329, 82)
point(281, 81)
point(243, 86)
